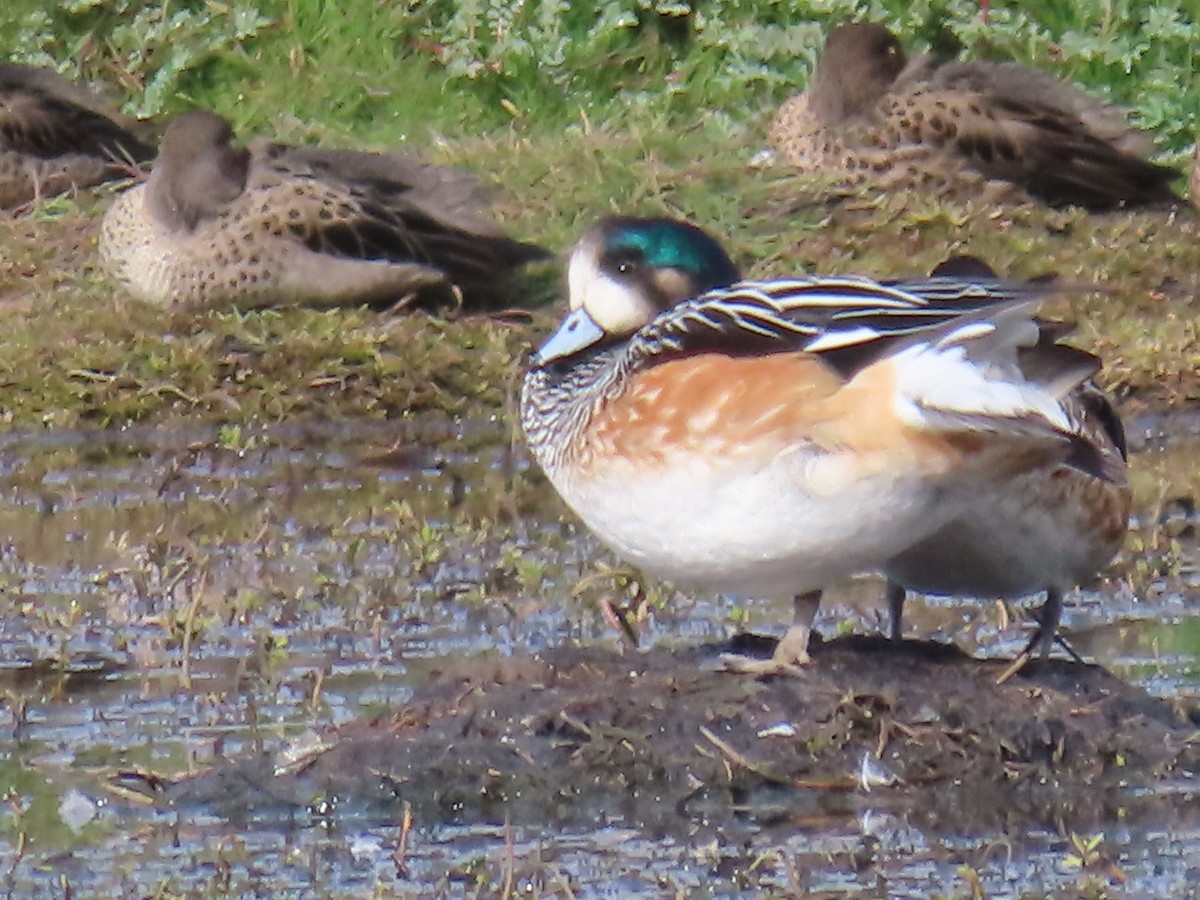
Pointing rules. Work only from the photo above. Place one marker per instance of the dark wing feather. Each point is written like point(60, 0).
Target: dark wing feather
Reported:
point(1100, 420)
point(451, 195)
point(397, 231)
point(46, 123)
point(1029, 127)
point(1046, 150)
point(392, 208)
point(1009, 81)
point(1064, 163)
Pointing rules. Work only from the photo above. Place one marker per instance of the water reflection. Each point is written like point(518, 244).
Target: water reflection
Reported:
point(169, 598)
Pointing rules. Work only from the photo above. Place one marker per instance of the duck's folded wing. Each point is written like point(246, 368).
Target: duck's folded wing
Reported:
point(944, 350)
point(1042, 147)
point(849, 321)
point(455, 197)
point(43, 123)
point(1012, 82)
point(388, 208)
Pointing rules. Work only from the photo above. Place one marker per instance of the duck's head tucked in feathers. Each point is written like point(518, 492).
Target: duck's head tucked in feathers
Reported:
point(271, 224)
point(859, 65)
point(199, 171)
point(970, 129)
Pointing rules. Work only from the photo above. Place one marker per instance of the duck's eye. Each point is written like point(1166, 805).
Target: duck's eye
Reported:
point(624, 261)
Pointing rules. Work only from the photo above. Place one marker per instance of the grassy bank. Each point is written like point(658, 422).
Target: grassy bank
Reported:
point(651, 108)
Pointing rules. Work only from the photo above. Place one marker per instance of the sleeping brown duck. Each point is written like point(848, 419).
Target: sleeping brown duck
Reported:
point(221, 224)
point(996, 130)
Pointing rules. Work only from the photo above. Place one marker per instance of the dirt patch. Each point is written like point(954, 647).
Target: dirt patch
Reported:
point(549, 735)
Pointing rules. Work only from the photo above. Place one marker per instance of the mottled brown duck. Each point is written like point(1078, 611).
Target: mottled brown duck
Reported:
point(1000, 131)
point(1047, 529)
point(221, 224)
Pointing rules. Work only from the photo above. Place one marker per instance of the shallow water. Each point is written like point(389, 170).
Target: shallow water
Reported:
point(171, 598)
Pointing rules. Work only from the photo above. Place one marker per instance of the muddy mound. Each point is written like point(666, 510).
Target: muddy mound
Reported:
point(920, 726)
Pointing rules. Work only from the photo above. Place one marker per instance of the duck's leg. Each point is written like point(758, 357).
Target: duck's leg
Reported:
point(895, 594)
point(792, 650)
point(1043, 638)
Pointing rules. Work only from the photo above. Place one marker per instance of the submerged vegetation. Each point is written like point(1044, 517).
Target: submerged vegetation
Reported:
point(645, 107)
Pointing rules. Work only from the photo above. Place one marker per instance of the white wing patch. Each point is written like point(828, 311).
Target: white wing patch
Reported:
point(933, 380)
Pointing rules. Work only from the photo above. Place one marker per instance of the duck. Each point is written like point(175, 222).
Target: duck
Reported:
point(1045, 530)
point(996, 130)
point(766, 438)
point(57, 137)
point(219, 224)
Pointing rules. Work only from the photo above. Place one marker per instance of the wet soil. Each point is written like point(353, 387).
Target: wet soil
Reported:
point(922, 724)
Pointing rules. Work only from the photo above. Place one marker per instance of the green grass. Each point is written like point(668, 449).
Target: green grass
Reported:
point(647, 108)
point(377, 71)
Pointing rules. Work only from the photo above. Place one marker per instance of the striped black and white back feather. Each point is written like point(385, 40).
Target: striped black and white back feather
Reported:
point(849, 321)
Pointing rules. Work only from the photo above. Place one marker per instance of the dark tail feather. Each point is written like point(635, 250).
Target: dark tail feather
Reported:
point(963, 266)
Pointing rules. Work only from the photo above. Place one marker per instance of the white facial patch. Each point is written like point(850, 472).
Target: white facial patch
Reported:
point(616, 306)
point(581, 272)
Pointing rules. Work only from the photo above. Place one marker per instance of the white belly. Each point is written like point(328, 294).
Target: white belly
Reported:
point(792, 526)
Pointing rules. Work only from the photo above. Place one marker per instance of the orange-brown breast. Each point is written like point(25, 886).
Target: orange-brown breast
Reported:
point(737, 407)
point(711, 404)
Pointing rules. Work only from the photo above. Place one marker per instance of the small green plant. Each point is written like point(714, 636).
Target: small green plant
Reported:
point(426, 546)
point(234, 439)
point(1086, 851)
point(739, 617)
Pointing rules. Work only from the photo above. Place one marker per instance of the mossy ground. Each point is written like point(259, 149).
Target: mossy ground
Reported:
point(657, 739)
point(77, 351)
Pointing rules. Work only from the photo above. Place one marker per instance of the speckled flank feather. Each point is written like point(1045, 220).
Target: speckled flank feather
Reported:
point(57, 137)
point(220, 225)
point(1047, 528)
point(996, 130)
